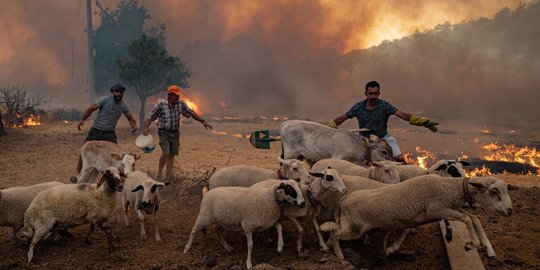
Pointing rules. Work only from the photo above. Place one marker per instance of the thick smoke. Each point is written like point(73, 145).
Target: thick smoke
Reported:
point(303, 58)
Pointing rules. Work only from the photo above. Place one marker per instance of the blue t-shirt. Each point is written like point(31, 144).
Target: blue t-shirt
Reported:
point(109, 112)
point(376, 120)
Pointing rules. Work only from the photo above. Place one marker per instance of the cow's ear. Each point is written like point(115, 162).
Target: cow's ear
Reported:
point(375, 164)
point(373, 138)
point(116, 157)
point(320, 175)
point(283, 161)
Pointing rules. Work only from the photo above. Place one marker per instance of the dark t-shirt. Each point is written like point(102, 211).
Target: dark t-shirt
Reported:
point(376, 119)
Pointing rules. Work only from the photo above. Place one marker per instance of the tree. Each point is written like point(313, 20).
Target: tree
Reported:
point(150, 68)
point(118, 28)
point(17, 104)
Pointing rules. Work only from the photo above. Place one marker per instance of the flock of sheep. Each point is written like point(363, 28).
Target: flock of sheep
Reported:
point(347, 191)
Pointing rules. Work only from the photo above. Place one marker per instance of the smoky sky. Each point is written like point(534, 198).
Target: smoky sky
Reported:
point(304, 58)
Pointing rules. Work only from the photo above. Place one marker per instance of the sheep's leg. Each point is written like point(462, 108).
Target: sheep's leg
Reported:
point(107, 231)
point(156, 226)
point(140, 215)
point(249, 237)
point(482, 234)
point(451, 214)
point(300, 233)
point(92, 229)
point(40, 231)
point(322, 244)
point(397, 244)
point(448, 236)
point(279, 229)
point(125, 204)
point(334, 241)
point(93, 176)
point(191, 236)
point(219, 235)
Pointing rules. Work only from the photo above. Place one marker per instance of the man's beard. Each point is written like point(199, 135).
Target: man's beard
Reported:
point(118, 99)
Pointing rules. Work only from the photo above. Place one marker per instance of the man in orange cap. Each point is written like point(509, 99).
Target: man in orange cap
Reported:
point(168, 111)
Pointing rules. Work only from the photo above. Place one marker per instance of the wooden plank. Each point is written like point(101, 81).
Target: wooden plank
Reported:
point(459, 257)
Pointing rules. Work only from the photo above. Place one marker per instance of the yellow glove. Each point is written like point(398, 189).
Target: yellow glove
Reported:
point(332, 124)
point(424, 122)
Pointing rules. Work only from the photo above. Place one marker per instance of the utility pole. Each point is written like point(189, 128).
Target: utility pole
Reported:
point(91, 81)
point(72, 63)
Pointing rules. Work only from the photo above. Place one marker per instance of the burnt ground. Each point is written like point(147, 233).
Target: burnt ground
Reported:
point(47, 153)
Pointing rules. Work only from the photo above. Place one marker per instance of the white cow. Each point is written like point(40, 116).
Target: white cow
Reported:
point(313, 141)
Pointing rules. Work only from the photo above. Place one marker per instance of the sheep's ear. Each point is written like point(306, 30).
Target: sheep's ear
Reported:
point(116, 157)
point(329, 167)
point(283, 161)
point(153, 189)
point(373, 138)
point(136, 156)
point(137, 188)
point(106, 174)
point(464, 163)
point(481, 186)
point(166, 183)
point(320, 175)
point(375, 164)
point(441, 167)
point(122, 174)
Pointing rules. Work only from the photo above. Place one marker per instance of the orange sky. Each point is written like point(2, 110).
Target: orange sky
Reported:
point(36, 35)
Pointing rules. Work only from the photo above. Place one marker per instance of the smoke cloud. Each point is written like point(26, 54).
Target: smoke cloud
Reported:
point(304, 58)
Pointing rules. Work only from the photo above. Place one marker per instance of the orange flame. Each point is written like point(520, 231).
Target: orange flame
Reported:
point(422, 160)
point(478, 172)
point(194, 107)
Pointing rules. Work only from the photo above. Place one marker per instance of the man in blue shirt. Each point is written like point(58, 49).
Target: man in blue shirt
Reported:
point(168, 111)
point(104, 127)
point(373, 113)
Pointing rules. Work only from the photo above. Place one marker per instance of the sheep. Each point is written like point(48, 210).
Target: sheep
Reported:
point(246, 176)
point(326, 180)
point(418, 201)
point(98, 155)
point(443, 167)
point(246, 209)
point(143, 193)
point(67, 206)
point(15, 200)
point(382, 171)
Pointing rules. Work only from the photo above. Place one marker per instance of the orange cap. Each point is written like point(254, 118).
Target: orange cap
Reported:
point(174, 89)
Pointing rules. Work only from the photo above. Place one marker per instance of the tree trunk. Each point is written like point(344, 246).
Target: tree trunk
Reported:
point(142, 115)
point(2, 131)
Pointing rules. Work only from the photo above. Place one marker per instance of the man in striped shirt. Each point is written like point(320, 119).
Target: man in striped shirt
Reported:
point(168, 111)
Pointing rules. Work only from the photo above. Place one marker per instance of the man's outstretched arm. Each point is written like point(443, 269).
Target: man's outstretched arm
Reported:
point(417, 120)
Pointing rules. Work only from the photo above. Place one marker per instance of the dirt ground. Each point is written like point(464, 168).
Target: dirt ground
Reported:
point(49, 152)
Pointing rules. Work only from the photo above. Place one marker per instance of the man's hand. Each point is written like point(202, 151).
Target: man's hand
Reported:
point(424, 122)
point(145, 131)
point(332, 124)
point(81, 123)
point(133, 126)
point(207, 125)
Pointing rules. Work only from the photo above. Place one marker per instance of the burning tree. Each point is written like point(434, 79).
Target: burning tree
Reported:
point(17, 106)
point(150, 68)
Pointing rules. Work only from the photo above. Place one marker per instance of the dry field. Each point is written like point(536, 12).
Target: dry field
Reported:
point(49, 152)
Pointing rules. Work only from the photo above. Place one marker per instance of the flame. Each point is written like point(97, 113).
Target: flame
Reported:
point(194, 107)
point(421, 160)
point(485, 131)
point(32, 120)
point(478, 172)
point(512, 153)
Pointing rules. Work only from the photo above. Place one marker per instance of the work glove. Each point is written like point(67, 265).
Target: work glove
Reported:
point(332, 124)
point(424, 122)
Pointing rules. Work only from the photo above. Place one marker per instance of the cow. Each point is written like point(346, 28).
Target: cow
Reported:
point(310, 141)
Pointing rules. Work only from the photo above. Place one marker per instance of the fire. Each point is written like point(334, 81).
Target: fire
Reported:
point(478, 172)
point(485, 131)
point(32, 120)
point(422, 160)
point(236, 135)
point(512, 153)
point(192, 105)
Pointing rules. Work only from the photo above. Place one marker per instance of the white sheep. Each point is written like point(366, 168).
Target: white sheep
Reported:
point(245, 209)
point(143, 192)
point(67, 206)
point(382, 171)
point(96, 156)
point(443, 167)
point(15, 200)
point(246, 176)
point(418, 201)
point(327, 180)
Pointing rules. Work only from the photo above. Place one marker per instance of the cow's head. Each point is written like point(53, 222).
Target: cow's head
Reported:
point(379, 149)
